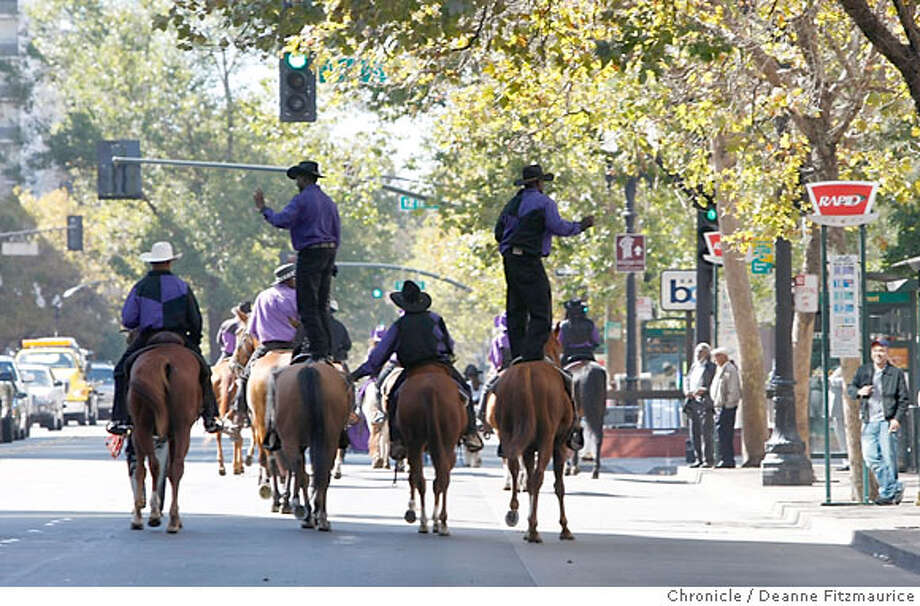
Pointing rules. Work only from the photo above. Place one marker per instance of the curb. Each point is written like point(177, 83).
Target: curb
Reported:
point(874, 543)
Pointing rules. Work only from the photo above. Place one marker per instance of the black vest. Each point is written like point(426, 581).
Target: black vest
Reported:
point(417, 342)
point(578, 338)
point(528, 235)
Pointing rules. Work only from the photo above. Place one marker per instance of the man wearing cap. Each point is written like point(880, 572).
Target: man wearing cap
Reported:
point(226, 334)
point(160, 302)
point(524, 232)
point(698, 405)
point(725, 391)
point(273, 324)
point(341, 341)
point(577, 333)
point(883, 401)
point(313, 219)
point(418, 337)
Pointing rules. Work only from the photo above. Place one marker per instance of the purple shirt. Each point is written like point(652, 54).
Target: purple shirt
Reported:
point(533, 199)
point(500, 344)
point(390, 343)
point(312, 217)
point(162, 301)
point(226, 334)
point(564, 338)
point(272, 312)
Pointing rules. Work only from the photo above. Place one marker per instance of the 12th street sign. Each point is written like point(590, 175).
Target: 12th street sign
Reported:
point(630, 252)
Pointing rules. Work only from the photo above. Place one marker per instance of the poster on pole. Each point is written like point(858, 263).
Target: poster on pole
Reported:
point(844, 303)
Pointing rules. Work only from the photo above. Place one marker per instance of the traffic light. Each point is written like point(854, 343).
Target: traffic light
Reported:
point(297, 89)
point(377, 293)
point(707, 220)
point(120, 181)
point(75, 232)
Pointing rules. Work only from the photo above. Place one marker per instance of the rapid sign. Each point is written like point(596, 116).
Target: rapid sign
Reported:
point(714, 245)
point(842, 203)
point(678, 290)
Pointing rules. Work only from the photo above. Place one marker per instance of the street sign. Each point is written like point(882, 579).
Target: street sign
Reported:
point(842, 202)
point(644, 308)
point(397, 285)
point(678, 290)
point(714, 245)
point(407, 203)
point(22, 249)
point(844, 303)
point(806, 293)
point(630, 252)
point(762, 257)
point(613, 330)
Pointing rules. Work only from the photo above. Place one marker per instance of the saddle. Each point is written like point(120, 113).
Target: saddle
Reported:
point(158, 340)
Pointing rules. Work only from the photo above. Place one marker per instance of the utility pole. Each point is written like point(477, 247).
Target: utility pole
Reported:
point(629, 214)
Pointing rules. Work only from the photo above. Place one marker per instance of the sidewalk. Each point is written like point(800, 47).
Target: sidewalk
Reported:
point(890, 533)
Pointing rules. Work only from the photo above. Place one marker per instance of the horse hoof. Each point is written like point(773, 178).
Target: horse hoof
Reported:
point(443, 532)
point(265, 491)
point(575, 470)
point(286, 509)
point(173, 529)
point(594, 475)
point(300, 512)
point(566, 535)
point(248, 460)
point(511, 518)
point(533, 537)
point(568, 471)
point(324, 527)
point(410, 516)
point(238, 472)
point(137, 525)
point(153, 522)
point(307, 522)
point(337, 475)
point(222, 471)
point(275, 508)
point(423, 529)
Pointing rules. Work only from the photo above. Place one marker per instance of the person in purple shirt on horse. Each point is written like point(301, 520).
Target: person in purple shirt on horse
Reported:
point(524, 232)
point(577, 333)
point(313, 219)
point(500, 349)
point(160, 302)
point(226, 334)
point(418, 337)
point(273, 323)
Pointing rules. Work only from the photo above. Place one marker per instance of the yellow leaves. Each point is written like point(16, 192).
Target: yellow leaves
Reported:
point(915, 131)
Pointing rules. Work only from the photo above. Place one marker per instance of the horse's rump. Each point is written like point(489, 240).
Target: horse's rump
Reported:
point(163, 388)
point(430, 407)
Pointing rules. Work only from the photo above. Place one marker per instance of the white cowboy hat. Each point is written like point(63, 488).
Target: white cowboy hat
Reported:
point(160, 252)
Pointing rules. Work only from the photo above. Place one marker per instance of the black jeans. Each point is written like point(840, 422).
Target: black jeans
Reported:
point(314, 280)
point(700, 417)
point(529, 304)
point(725, 429)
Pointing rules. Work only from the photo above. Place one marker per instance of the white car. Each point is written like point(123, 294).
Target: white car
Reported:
point(100, 375)
point(47, 396)
point(14, 415)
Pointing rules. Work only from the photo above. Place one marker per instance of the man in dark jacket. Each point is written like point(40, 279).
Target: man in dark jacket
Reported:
point(883, 400)
point(699, 407)
point(341, 340)
point(418, 337)
point(577, 333)
point(161, 302)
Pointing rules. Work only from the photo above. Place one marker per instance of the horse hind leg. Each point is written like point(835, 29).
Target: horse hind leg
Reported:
point(221, 470)
point(339, 459)
point(559, 486)
point(140, 497)
point(512, 517)
point(441, 482)
point(176, 471)
point(158, 471)
point(534, 481)
point(273, 473)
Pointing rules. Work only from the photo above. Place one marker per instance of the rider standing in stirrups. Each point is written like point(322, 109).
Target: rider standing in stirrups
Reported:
point(524, 231)
point(577, 334)
point(418, 337)
point(161, 302)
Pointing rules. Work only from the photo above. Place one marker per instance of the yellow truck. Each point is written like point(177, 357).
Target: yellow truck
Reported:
point(67, 362)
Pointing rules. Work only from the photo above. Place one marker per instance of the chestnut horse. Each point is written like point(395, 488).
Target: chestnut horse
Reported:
point(165, 399)
point(532, 414)
point(431, 417)
point(223, 379)
point(311, 404)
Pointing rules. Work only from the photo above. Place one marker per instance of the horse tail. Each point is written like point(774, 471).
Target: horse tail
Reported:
point(156, 399)
point(524, 430)
point(308, 379)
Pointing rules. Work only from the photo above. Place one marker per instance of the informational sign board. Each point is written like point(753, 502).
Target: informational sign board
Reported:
point(806, 293)
point(613, 331)
point(762, 259)
point(678, 290)
point(644, 308)
point(844, 303)
point(24, 249)
point(842, 202)
point(630, 252)
point(714, 245)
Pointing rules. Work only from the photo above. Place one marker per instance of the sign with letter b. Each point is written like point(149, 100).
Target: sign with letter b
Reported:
point(678, 290)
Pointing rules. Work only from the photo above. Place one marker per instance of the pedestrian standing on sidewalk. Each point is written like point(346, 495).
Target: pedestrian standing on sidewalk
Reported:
point(883, 401)
point(726, 395)
point(698, 405)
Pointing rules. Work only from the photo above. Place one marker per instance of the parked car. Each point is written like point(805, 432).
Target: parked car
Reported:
point(67, 362)
point(47, 396)
point(100, 375)
point(16, 407)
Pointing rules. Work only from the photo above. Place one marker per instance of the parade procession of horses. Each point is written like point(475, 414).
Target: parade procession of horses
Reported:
point(311, 405)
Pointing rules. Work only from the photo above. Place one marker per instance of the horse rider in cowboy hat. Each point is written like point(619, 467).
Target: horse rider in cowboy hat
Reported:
point(273, 323)
point(577, 333)
point(226, 334)
point(159, 302)
point(524, 231)
point(313, 219)
point(341, 340)
point(418, 337)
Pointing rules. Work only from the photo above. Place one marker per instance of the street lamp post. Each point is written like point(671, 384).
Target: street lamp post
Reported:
point(630, 215)
point(785, 463)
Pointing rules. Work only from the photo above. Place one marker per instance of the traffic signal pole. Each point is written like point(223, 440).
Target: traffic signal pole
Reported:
point(704, 283)
point(629, 214)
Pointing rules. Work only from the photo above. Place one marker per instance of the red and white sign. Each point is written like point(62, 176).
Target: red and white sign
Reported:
point(630, 252)
point(805, 293)
point(842, 202)
point(714, 244)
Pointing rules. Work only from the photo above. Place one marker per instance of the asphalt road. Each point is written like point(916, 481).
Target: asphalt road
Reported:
point(64, 521)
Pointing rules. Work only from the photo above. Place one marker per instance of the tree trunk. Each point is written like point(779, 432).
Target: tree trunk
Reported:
point(738, 287)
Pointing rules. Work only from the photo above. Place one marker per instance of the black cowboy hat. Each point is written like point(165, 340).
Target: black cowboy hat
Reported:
point(411, 298)
point(285, 272)
point(307, 167)
point(534, 172)
point(574, 304)
point(471, 371)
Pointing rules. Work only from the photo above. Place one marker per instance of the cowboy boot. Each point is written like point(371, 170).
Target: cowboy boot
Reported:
point(471, 438)
point(239, 404)
point(121, 420)
point(397, 448)
point(211, 414)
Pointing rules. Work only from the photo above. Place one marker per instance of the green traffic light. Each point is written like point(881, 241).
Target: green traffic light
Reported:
point(711, 214)
point(296, 61)
point(377, 293)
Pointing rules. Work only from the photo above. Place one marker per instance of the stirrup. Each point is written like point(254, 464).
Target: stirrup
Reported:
point(472, 441)
point(118, 428)
point(213, 425)
point(379, 417)
point(576, 439)
point(397, 450)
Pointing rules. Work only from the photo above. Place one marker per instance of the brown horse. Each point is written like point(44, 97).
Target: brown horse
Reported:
point(312, 402)
point(431, 417)
point(532, 414)
point(165, 399)
point(223, 379)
